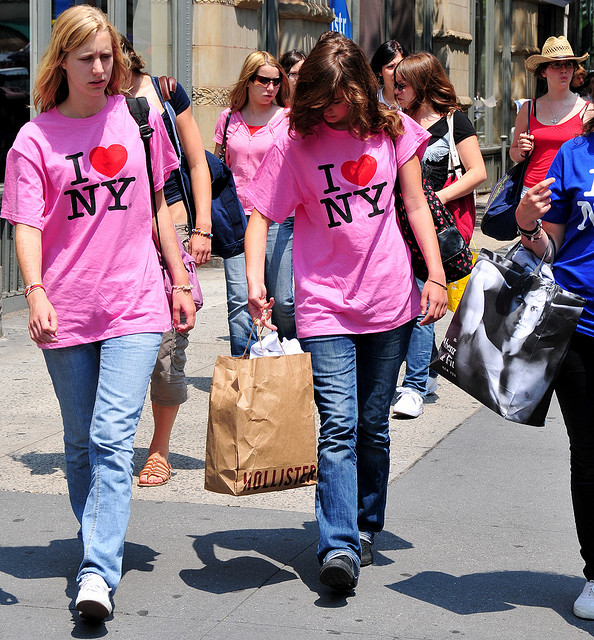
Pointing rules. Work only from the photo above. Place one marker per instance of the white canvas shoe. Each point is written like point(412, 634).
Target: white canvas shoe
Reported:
point(93, 597)
point(583, 607)
point(409, 403)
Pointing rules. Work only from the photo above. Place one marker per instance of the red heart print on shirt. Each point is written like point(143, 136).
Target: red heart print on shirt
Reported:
point(359, 171)
point(108, 161)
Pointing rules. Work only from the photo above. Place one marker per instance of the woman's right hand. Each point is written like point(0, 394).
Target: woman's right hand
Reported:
point(535, 203)
point(43, 320)
point(526, 144)
point(259, 309)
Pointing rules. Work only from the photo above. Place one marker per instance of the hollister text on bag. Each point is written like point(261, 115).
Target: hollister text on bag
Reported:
point(261, 425)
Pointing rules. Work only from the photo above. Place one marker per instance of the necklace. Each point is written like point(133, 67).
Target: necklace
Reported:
point(555, 117)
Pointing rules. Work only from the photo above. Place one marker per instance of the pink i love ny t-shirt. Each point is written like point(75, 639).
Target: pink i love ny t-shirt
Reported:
point(84, 184)
point(352, 266)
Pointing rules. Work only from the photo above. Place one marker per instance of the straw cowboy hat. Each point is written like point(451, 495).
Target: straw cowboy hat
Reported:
point(553, 49)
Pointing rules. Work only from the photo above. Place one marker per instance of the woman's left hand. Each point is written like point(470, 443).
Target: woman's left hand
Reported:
point(183, 302)
point(200, 248)
point(434, 299)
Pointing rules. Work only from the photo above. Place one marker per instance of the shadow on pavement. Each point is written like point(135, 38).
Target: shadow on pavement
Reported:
point(272, 556)
point(497, 591)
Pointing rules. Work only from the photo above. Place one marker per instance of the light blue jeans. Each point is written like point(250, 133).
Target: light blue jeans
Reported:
point(421, 351)
point(354, 381)
point(101, 387)
point(278, 275)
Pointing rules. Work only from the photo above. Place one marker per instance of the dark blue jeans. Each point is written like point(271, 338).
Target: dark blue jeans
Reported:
point(574, 391)
point(354, 382)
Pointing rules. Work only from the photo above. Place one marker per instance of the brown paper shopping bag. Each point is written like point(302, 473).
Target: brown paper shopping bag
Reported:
point(261, 427)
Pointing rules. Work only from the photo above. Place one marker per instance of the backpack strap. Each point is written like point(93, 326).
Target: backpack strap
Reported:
point(139, 109)
point(168, 86)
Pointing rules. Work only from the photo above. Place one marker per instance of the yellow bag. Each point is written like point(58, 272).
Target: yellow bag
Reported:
point(456, 289)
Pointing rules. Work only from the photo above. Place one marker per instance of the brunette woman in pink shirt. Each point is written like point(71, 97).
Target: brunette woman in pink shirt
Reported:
point(256, 118)
point(356, 295)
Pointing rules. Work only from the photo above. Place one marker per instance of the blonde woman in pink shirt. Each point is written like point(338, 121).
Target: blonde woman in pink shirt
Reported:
point(77, 191)
point(255, 119)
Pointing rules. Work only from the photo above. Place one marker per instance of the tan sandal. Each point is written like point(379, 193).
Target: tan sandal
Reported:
point(155, 466)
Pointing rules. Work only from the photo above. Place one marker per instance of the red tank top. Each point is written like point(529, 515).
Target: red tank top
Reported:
point(547, 141)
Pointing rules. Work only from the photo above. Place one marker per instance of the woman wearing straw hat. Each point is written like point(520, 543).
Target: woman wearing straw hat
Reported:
point(556, 117)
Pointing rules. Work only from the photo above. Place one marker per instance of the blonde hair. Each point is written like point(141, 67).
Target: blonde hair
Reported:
point(71, 29)
point(238, 97)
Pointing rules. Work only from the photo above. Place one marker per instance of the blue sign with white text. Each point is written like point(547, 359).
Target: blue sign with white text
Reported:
point(342, 20)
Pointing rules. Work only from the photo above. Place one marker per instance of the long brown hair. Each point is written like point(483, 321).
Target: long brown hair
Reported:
point(72, 28)
point(429, 82)
point(238, 97)
point(338, 67)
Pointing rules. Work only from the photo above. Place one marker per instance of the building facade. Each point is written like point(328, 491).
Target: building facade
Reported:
point(481, 43)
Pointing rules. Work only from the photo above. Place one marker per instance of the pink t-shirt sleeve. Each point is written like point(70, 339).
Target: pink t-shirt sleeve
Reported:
point(412, 142)
point(274, 190)
point(25, 186)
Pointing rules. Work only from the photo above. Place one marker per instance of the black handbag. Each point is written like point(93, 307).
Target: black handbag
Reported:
point(499, 218)
point(456, 257)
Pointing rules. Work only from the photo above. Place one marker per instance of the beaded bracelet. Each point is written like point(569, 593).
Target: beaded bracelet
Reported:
point(443, 286)
point(183, 287)
point(534, 234)
point(32, 287)
point(199, 232)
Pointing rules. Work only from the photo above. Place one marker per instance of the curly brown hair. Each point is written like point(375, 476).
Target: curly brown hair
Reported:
point(429, 82)
point(338, 67)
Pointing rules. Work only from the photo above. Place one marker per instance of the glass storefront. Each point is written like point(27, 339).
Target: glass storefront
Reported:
point(147, 23)
point(14, 74)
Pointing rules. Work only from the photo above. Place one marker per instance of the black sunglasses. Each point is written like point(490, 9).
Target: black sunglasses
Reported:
point(264, 81)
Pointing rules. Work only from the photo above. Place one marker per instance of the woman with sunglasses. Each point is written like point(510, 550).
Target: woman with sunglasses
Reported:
point(383, 63)
point(255, 119)
point(556, 117)
point(425, 93)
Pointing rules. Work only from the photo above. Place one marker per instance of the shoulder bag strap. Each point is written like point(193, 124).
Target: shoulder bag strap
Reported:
point(164, 87)
point(139, 109)
point(454, 161)
point(168, 86)
point(223, 150)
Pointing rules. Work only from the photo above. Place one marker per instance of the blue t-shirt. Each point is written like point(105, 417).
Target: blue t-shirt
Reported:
point(572, 204)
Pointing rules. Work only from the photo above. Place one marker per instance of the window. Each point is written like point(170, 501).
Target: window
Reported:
point(14, 74)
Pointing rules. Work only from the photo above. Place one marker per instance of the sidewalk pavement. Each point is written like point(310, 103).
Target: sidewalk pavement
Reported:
point(479, 539)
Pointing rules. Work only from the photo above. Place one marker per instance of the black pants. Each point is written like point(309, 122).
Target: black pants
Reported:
point(575, 391)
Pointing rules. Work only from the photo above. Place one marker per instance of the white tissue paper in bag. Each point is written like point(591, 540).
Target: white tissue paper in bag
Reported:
point(271, 346)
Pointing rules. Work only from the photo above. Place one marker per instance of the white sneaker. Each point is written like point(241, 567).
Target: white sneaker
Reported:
point(583, 607)
point(431, 386)
point(409, 403)
point(93, 597)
